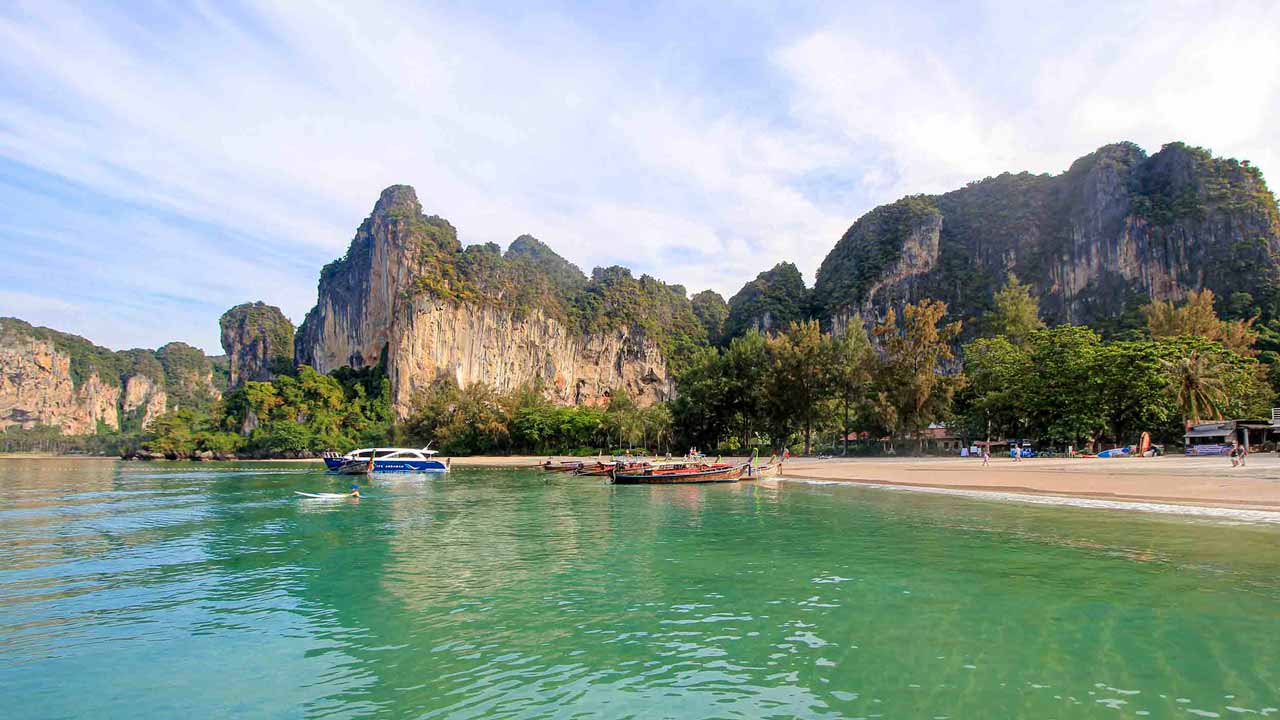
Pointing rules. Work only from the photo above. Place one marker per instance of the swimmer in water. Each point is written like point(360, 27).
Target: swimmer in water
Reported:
point(355, 492)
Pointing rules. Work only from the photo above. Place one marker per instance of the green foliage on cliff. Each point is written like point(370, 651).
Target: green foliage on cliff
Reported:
point(871, 246)
point(1085, 240)
point(535, 257)
point(258, 321)
point(183, 371)
point(615, 300)
point(188, 376)
point(775, 299)
point(528, 277)
point(86, 358)
point(1183, 182)
point(712, 311)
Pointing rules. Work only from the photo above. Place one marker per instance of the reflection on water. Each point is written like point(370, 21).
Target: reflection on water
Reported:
point(132, 590)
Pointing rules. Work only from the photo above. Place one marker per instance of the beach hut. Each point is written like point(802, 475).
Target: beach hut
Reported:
point(1217, 438)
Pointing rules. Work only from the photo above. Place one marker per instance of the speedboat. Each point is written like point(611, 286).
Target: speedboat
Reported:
point(378, 460)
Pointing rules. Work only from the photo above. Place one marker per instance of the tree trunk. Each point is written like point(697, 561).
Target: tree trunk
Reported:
point(846, 425)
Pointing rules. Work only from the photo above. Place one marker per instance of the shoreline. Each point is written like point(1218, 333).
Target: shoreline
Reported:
point(1205, 482)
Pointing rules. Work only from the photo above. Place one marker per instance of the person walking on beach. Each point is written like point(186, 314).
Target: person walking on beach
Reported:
point(1235, 455)
point(986, 455)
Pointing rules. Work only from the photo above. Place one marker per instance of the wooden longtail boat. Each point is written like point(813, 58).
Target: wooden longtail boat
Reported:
point(572, 466)
point(764, 471)
point(769, 469)
point(682, 473)
point(607, 468)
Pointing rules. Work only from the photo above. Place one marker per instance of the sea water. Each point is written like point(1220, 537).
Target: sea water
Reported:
point(169, 590)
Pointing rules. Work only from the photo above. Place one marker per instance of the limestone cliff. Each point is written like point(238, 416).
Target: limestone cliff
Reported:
point(409, 295)
point(258, 340)
point(50, 378)
point(188, 376)
point(484, 343)
point(144, 399)
point(37, 387)
point(1115, 230)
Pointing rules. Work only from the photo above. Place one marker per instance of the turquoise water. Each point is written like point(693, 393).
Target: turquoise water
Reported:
point(164, 590)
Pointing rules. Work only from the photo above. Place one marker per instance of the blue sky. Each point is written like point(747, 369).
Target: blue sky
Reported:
point(161, 162)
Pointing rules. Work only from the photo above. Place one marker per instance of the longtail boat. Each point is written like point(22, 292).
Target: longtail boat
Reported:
point(680, 473)
point(769, 469)
point(606, 468)
point(570, 466)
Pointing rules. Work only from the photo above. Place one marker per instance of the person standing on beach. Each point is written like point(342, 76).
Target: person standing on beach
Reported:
point(1235, 455)
point(986, 455)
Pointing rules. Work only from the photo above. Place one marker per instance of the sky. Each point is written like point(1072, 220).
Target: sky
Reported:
point(162, 162)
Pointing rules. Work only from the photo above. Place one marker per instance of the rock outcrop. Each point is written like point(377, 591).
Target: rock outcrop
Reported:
point(37, 387)
point(258, 340)
point(712, 311)
point(1116, 230)
point(483, 343)
point(50, 378)
point(143, 399)
point(406, 294)
point(188, 376)
point(776, 298)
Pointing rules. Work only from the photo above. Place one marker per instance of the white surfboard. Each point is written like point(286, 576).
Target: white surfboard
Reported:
point(326, 496)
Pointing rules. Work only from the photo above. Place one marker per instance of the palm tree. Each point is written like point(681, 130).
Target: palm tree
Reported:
point(1197, 380)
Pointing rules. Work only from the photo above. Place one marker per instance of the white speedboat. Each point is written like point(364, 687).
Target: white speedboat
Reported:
point(372, 460)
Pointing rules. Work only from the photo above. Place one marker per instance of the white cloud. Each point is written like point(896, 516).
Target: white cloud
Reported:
point(226, 153)
point(1036, 90)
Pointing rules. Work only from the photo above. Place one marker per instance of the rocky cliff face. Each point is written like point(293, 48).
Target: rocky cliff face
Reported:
point(471, 343)
point(144, 399)
point(258, 340)
point(1114, 231)
point(406, 293)
point(37, 388)
point(59, 380)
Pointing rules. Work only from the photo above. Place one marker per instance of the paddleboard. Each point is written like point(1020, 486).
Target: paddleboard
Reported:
point(327, 496)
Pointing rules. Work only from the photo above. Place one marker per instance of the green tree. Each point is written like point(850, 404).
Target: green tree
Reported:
point(1017, 312)
point(912, 389)
point(699, 412)
point(992, 401)
point(850, 361)
point(1199, 388)
point(798, 380)
point(1197, 318)
point(744, 365)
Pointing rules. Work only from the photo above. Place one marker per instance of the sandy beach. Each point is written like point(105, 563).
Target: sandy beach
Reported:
point(1207, 481)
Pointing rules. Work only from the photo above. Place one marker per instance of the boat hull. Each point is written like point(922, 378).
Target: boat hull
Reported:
point(681, 477)
point(385, 466)
point(606, 469)
point(409, 466)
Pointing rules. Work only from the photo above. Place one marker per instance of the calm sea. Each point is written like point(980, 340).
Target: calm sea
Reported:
point(200, 591)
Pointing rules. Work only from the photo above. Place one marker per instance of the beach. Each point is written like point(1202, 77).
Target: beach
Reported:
point(1206, 481)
